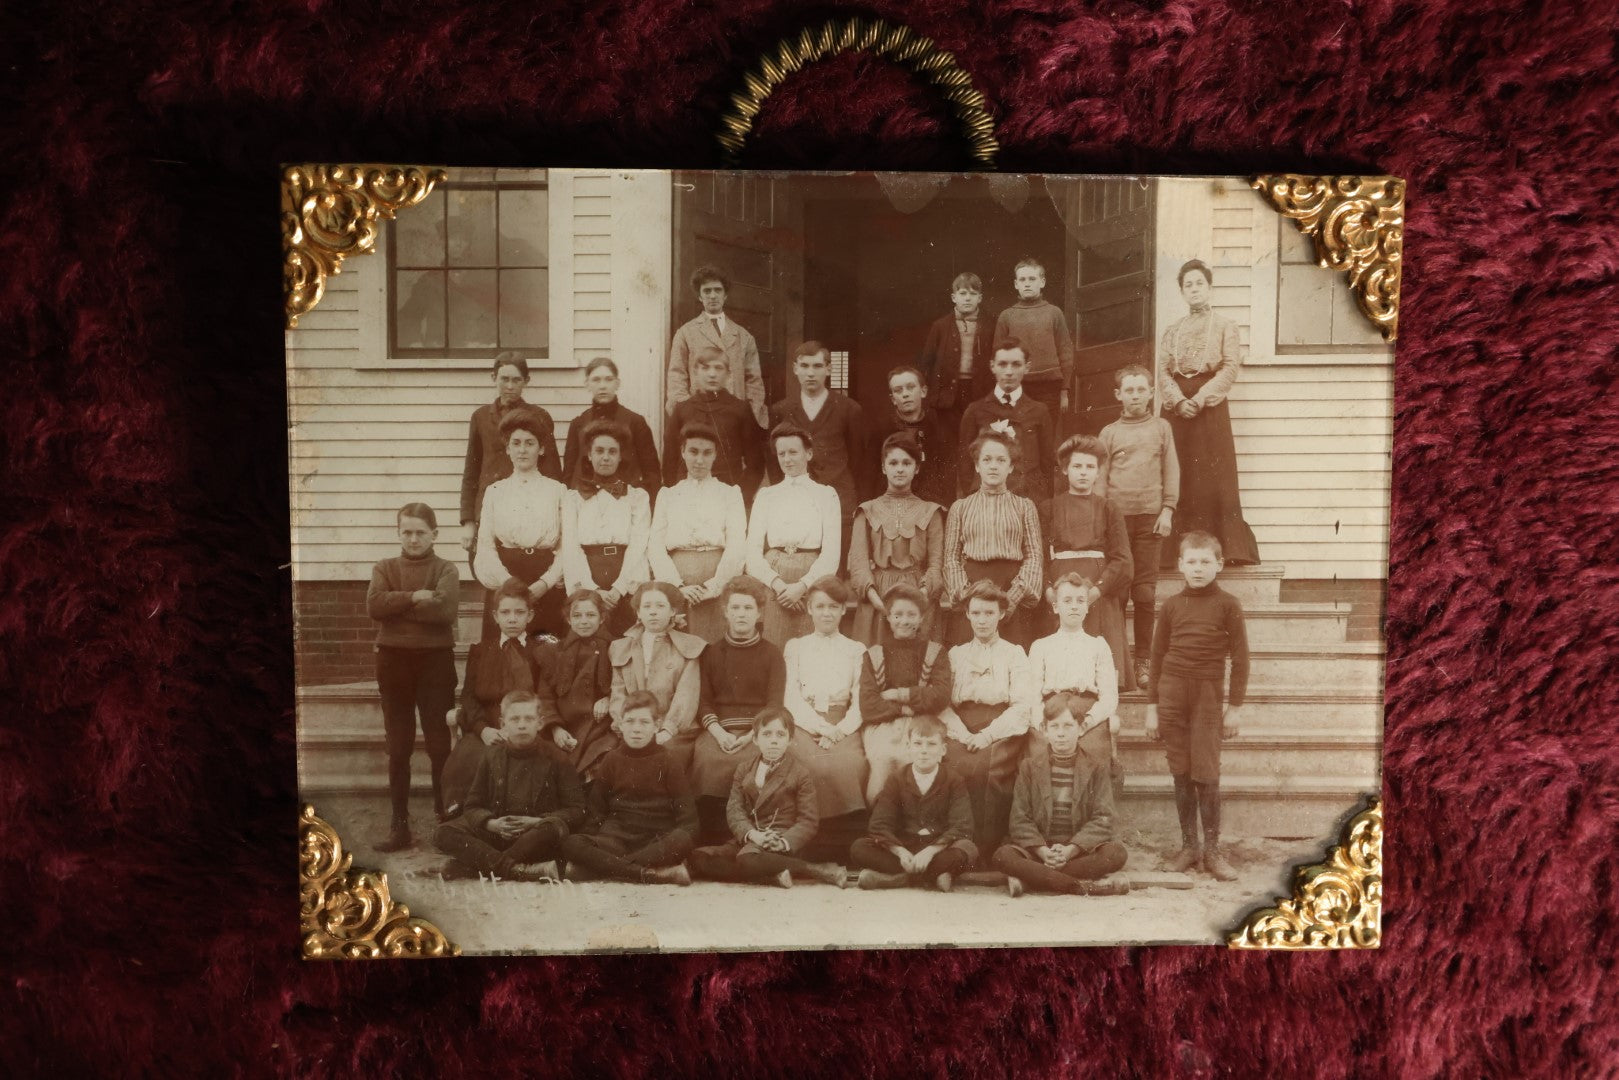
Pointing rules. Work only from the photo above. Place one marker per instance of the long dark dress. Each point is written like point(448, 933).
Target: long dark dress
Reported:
point(1201, 354)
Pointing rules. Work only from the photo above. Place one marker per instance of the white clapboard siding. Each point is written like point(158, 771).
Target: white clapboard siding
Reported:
point(1312, 431)
point(368, 433)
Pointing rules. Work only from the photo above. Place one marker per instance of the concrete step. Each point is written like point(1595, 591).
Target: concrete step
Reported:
point(1255, 584)
point(1253, 805)
point(1269, 752)
point(1298, 712)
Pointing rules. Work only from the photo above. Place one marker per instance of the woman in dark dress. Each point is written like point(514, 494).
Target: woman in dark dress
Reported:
point(1199, 361)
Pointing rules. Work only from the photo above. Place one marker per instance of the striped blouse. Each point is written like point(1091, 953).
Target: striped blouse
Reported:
point(984, 528)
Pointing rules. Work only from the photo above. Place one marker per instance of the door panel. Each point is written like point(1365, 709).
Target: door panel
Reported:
point(1110, 229)
point(746, 225)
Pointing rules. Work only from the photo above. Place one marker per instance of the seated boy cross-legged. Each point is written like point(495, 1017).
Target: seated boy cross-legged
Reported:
point(642, 817)
point(772, 813)
point(1061, 833)
point(523, 801)
point(922, 824)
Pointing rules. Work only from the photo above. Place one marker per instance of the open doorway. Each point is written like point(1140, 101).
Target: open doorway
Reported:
point(863, 263)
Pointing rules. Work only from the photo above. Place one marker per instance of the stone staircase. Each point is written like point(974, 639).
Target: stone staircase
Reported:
point(1308, 753)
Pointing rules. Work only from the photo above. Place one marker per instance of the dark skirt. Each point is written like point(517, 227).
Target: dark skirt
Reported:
point(989, 772)
point(606, 562)
point(1210, 501)
point(712, 769)
point(528, 566)
point(1016, 627)
point(839, 772)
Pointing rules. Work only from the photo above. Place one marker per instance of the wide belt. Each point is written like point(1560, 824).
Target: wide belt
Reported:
point(1055, 555)
point(601, 549)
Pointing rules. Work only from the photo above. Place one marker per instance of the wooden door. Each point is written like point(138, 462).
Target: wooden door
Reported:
point(751, 228)
point(1110, 228)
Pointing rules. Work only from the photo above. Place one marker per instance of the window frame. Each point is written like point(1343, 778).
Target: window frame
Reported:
point(1309, 348)
point(541, 351)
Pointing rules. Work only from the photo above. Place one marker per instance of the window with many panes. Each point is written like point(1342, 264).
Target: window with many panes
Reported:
point(469, 268)
point(1315, 309)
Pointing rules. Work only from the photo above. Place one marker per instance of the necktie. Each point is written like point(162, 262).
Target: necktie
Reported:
point(519, 676)
point(1006, 399)
point(719, 331)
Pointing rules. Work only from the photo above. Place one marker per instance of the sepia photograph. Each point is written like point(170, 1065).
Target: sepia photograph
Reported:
point(716, 561)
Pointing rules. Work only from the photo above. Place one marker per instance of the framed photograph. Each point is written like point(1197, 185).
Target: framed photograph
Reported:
point(749, 561)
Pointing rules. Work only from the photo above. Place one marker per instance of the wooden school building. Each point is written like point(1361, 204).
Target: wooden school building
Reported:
point(567, 265)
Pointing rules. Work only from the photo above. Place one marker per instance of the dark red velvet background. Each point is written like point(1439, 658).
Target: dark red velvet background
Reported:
point(147, 795)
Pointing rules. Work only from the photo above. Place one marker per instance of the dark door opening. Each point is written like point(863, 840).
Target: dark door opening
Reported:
point(876, 277)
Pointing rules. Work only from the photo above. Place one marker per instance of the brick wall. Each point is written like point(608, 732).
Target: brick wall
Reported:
point(334, 635)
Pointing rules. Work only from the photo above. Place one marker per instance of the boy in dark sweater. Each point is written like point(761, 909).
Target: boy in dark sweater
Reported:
point(1061, 834)
point(524, 799)
point(739, 453)
point(922, 823)
point(1198, 628)
point(641, 811)
point(638, 463)
point(414, 598)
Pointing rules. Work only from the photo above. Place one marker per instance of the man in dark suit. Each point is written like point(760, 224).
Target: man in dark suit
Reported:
point(835, 422)
point(1029, 423)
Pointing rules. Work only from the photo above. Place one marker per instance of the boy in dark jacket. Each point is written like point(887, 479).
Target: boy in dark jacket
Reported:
point(922, 824)
point(772, 814)
point(1060, 837)
point(642, 815)
point(524, 799)
point(739, 450)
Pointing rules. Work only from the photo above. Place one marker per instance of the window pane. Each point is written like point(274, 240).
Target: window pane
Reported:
point(1304, 305)
point(1114, 322)
point(524, 224)
point(1349, 325)
point(524, 310)
point(419, 233)
point(1111, 259)
point(471, 221)
point(1296, 247)
point(472, 309)
point(419, 309)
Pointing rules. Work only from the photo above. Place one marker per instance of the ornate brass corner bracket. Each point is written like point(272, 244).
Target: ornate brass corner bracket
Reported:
point(1337, 904)
point(347, 914)
point(329, 212)
point(898, 43)
point(1358, 226)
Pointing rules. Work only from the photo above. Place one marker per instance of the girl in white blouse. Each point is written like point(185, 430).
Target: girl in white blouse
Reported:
point(1074, 665)
point(993, 699)
point(520, 529)
point(823, 694)
point(605, 525)
point(699, 534)
point(794, 535)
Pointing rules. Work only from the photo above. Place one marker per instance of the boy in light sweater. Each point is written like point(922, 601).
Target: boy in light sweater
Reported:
point(1040, 326)
point(1142, 477)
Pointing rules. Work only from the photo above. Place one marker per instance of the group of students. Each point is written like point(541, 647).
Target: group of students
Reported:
point(664, 683)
